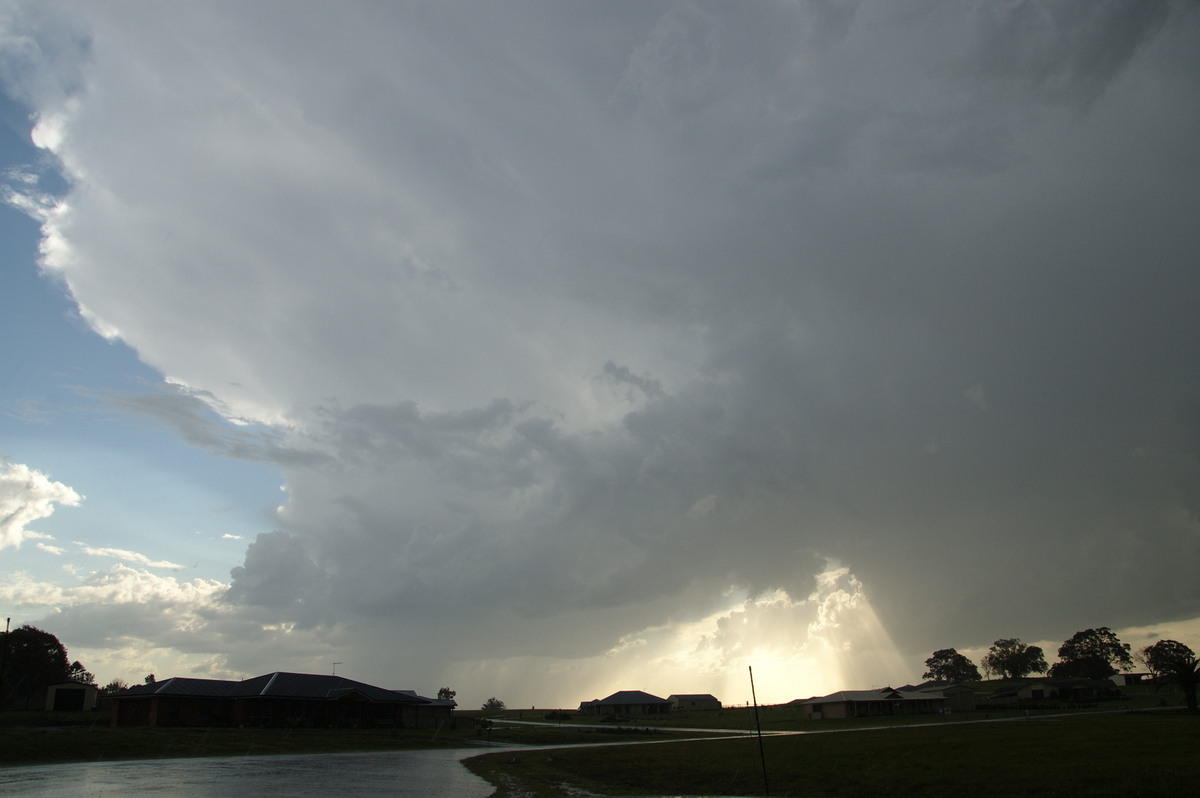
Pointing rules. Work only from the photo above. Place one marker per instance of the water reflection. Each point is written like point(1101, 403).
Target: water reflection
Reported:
point(397, 773)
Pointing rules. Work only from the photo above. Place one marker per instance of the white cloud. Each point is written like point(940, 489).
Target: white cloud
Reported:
point(126, 622)
point(131, 556)
point(26, 496)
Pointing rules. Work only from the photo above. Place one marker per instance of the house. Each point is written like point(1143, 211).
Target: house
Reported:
point(626, 702)
point(688, 701)
point(959, 697)
point(71, 697)
point(275, 699)
point(1054, 690)
point(1131, 679)
point(870, 703)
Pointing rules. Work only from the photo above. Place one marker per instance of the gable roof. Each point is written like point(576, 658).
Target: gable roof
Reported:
point(693, 697)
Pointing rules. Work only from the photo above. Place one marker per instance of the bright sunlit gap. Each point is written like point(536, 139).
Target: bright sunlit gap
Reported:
point(831, 640)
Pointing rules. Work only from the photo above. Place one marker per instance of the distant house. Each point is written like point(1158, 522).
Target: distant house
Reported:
point(1054, 690)
point(870, 703)
point(626, 702)
point(959, 697)
point(275, 699)
point(1130, 679)
point(71, 697)
point(689, 701)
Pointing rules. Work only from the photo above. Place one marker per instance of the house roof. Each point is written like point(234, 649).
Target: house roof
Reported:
point(626, 697)
point(693, 696)
point(440, 702)
point(1059, 684)
point(935, 687)
point(276, 685)
point(886, 694)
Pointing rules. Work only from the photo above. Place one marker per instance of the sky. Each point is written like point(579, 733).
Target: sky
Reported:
point(548, 349)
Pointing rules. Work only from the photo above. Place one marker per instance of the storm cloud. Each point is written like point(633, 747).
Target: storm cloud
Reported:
point(573, 325)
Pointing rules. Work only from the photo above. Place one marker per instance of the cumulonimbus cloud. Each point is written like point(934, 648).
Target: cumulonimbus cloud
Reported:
point(558, 344)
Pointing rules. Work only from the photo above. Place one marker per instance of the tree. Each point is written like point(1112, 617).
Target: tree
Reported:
point(115, 686)
point(33, 660)
point(77, 673)
point(149, 679)
point(1011, 659)
point(1092, 654)
point(1172, 662)
point(947, 665)
point(446, 694)
point(493, 703)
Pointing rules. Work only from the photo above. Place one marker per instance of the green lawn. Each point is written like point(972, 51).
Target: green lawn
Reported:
point(1130, 754)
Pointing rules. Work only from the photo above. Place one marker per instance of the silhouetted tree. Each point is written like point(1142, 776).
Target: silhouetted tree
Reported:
point(493, 703)
point(149, 678)
point(1172, 662)
point(1092, 654)
point(446, 694)
point(115, 686)
point(1012, 659)
point(33, 660)
point(947, 665)
point(77, 673)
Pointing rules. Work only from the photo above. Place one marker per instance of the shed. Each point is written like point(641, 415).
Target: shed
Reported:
point(71, 697)
point(696, 701)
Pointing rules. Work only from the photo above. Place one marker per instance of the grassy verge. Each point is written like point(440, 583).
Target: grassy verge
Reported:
point(92, 741)
point(1141, 754)
point(567, 735)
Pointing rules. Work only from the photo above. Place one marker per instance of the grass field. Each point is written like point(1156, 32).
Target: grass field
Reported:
point(1126, 754)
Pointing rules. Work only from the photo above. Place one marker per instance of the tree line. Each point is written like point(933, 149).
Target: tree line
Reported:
point(32, 660)
point(1089, 654)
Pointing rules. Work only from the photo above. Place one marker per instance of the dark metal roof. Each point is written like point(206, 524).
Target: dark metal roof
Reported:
point(207, 688)
point(625, 697)
point(275, 685)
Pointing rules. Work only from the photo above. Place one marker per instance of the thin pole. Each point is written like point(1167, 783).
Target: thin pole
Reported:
point(758, 726)
point(4, 659)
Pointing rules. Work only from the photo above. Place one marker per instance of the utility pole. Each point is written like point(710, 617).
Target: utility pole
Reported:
point(758, 726)
point(4, 660)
